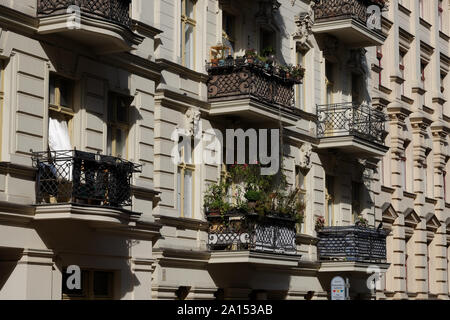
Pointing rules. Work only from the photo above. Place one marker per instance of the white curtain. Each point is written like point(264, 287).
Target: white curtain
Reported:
point(59, 140)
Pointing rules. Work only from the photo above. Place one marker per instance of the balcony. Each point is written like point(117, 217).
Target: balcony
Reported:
point(250, 232)
point(351, 248)
point(347, 20)
point(77, 177)
point(252, 89)
point(351, 128)
point(104, 26)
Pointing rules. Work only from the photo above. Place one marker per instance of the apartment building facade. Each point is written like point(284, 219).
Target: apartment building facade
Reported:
point(122, 83)
point(410, 76)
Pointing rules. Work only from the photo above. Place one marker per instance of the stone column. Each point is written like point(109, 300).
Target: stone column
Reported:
point(395, 275)
point(31, 278)
point(438, 249)
point(419, 260)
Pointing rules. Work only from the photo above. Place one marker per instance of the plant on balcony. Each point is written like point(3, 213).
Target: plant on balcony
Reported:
point(297, 73)
point(362, 222)
point(250, 54)
point(215, 199)
point(320, 223)
point(254, 194)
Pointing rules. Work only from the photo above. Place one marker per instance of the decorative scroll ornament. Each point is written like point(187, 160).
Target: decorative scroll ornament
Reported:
point(304, 161)
point(357, 61)
point(304, 22)
point(192, 121)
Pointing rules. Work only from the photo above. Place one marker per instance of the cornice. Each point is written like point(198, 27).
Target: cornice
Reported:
point(181, 257)
point(140, 66)
point(182, 71)
point(16, 213)
point(145, 29)
point(184, 223)
point(173, 99)
point(15, 20)
point(144, 192)
point(17, 169)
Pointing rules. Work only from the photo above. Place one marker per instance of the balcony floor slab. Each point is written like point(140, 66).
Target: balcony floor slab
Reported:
point(349, 31)
point(254, 111)
point(351, 266)
point(354, 145)
point(256, 258)
point(97, 215)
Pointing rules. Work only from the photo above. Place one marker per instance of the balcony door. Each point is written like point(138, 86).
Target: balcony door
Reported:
point(329, 200)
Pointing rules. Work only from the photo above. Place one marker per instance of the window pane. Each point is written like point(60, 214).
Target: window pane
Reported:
point(179, 190)
point(102, 283)
point(122, 111)
point(121, 143)
point(187, 194)
point(109, 140)
point(52, 90)
point(190, 9)
point(189, 45)
point(65, 93)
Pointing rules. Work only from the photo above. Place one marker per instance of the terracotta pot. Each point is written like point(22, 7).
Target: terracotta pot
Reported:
point(215, 62)
point(214, 212)
point(252, 204)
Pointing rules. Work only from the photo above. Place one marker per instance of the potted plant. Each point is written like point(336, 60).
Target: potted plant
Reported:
point(214, 62)
point(320, 223)
point(297, 73)
point(214, 203)
point(250, 55)
point(252, 197)
point(362, 222)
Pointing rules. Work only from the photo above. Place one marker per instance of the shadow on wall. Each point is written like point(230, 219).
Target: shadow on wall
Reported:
point(75, 243)
point(102, 105)
point(248, 277)
point(9, 258)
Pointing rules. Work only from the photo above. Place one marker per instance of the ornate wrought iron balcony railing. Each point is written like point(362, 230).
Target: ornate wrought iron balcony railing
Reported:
point(352, 243)
point(82, 177)
point(326, 10)
point(117, 11)
point(238, 78)
point(252, 232)
point(350, 119)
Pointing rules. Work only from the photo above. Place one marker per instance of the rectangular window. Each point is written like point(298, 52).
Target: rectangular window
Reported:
point(423, 66)
point(356, 200)
point(329, 200)
point(442, 81)
point(185, 178)
point(187, 32)
point(61, 113)
point(379, 58)
point(95, 285)
point(301, 86)
point(356, 88)
point(401, 66)
point(118, 125)
point(329, 82)
point(228, 31)
point(267, 41)
point(300, 183)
